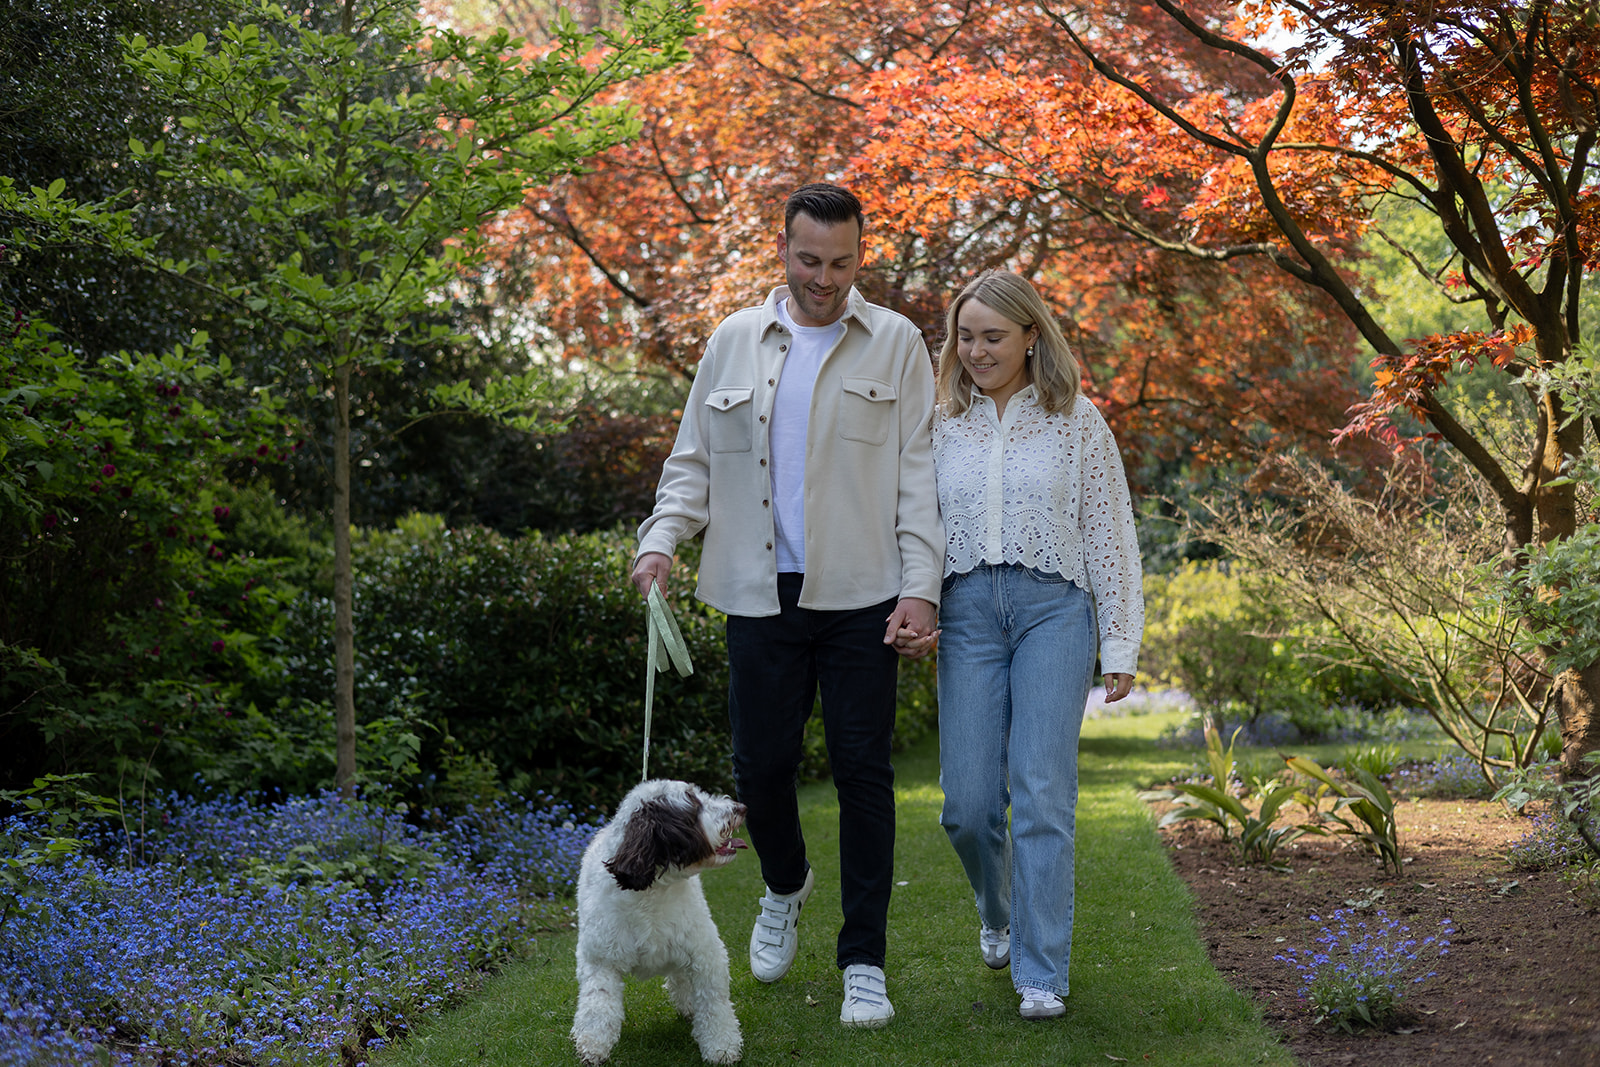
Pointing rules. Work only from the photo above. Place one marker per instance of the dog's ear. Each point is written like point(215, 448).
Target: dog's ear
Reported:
point(659, 835)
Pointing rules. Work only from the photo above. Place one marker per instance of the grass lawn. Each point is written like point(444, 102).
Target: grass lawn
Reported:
point(1143, 991)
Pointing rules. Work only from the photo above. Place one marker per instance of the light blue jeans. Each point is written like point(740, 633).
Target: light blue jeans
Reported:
point(1015, 664)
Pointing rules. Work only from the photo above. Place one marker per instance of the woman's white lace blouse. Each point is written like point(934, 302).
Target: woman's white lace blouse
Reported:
point(1046, 491)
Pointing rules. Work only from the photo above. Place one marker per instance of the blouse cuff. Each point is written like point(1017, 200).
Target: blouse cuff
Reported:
point(1119, 655)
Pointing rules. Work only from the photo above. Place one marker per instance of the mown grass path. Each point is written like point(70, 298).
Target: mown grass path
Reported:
point(1143, 991)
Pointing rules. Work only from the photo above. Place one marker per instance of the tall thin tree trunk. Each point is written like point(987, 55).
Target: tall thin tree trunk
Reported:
point(344, 635)
point(344, 630)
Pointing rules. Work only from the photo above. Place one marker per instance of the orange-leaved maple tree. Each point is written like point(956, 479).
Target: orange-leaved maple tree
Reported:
point(643, 254)
point(1481, 113)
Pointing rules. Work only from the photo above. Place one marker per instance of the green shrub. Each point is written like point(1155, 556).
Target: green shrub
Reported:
point(1203, 634)
point(128, 630)
point(528, 654)
point(1218, 632)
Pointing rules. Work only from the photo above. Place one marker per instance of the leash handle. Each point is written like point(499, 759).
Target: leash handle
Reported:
point(665, 645)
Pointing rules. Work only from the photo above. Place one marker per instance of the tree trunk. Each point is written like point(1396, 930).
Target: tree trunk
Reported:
point(1578, 704)
point(344, 636)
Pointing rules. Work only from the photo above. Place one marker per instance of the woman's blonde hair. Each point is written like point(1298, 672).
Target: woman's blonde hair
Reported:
point(1053, 369)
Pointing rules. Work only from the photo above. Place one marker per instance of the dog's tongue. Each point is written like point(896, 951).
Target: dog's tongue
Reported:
point(735, 843)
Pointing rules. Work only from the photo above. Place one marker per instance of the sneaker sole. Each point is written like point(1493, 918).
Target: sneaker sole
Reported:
point(1043, 1012)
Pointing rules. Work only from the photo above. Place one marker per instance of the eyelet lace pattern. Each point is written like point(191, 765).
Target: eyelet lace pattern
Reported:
point(1046, 491)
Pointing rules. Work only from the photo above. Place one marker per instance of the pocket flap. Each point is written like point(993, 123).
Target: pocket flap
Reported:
point(869, 388)
point(729, 397)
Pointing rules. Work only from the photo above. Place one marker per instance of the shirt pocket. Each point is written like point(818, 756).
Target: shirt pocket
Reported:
point(867, 411)
point(728, 415)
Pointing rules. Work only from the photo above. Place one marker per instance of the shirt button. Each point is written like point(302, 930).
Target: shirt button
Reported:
point(783, 348)
point(763, 418)
point(769, 545)
point(772, 381)
point(763, 463)
point(870, 392)
point(766, 503)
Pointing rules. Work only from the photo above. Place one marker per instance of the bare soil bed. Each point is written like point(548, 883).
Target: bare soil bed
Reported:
point(1521, 982)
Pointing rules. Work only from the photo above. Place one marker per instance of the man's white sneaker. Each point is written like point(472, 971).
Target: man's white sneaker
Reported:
point(775, 939)
point(995, 946)
point(1040, 1003)
point(866, 997)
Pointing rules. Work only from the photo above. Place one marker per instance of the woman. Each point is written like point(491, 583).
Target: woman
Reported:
point(1041, 560)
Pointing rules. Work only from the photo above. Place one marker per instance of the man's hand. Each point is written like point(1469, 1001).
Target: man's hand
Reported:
point(1118, 686)
point(651, 567)
point(913, 628)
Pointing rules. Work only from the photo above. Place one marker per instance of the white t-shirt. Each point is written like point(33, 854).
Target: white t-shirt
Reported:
point(791, 417)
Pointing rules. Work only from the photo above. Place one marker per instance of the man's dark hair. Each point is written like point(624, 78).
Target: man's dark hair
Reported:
point(829, 204)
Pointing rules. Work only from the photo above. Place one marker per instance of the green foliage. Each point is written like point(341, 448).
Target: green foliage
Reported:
point(528, 654)
point(1398, 571)
point(127, 629)
point(71, 105)
point(1220, 633)
point(519, 663)
point(1412, 308)
point(1376, 760)
point(1366, 798)
point(1573, 799)
point(61, 804)
point(367, 150)
point(1258, 838)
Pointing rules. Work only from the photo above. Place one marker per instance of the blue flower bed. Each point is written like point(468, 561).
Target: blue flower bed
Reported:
point(1362, 970)
point(296, 933)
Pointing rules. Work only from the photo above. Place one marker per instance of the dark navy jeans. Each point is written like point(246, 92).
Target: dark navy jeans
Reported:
point(776, 666)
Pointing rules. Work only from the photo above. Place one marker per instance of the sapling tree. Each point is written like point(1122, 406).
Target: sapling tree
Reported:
point(367, 149)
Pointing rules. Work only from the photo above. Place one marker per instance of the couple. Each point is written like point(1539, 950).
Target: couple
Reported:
point(812, 457)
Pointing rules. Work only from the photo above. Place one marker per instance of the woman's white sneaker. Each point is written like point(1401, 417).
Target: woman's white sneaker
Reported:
point(1040, 1003)
point(995, 946)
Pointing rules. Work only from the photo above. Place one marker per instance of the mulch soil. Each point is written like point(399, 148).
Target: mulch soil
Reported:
point(1521, 982)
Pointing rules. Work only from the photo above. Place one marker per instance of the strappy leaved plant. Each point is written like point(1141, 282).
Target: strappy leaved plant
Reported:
point(1363, 796)
point(1258, 838)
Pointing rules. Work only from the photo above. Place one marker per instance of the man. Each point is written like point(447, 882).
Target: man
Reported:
point(805, 457)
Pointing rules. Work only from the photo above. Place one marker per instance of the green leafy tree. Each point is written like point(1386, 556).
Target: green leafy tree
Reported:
point(366, 150)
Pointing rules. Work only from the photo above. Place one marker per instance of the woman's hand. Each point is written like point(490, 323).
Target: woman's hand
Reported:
point(1117, 687)
point(913, 629)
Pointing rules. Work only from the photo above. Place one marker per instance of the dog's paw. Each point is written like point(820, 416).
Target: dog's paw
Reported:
point(591, 1053)
point(725, 1053)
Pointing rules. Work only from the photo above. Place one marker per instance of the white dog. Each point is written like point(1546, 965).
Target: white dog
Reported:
point(641, 911)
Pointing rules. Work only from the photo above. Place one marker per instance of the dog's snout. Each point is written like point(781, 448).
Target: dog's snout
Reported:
point(738, 810)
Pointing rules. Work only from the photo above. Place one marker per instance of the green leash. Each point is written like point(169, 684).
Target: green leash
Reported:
point(666, 644)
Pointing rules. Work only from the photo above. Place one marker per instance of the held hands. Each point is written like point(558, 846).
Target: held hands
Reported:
point(651, 567)
point(1118, 686)
point(913, 628)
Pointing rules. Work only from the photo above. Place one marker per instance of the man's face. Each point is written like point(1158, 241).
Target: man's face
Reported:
point(820, 261)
